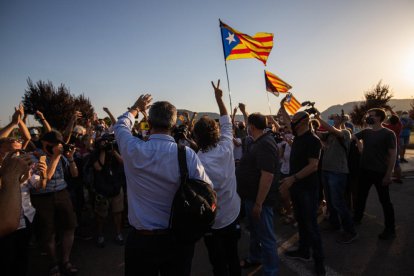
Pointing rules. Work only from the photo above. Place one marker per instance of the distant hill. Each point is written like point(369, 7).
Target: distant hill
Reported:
point(212, 115)
point(396, 104)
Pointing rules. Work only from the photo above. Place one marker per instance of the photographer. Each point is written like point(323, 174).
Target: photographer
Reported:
point(18, 174)
point(109, 178)
point(335, 175)
point(303, 187)
point(53, 205)
point(182, 137)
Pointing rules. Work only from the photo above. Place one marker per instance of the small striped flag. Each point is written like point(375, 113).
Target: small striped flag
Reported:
point(275, 85)
point(237, 45)
point(291, 104)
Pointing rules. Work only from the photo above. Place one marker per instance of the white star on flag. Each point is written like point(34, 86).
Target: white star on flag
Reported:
point(230, 38)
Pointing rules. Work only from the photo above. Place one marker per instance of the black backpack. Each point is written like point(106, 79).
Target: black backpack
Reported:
point(194, 206)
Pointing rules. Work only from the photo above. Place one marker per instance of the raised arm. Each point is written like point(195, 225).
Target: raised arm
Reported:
point(23, 128)
point(242, 108)
point(331, 129)
point(285, 115)
point(192, 121)
point(5, 132)
point(274, 122)
point(219, 98)
point(113, 120)
point(68, 130)
point(43, 121)
point(126, 121)
point(233, 117)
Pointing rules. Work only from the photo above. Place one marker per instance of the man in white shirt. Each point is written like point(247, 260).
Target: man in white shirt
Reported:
point(153, 177)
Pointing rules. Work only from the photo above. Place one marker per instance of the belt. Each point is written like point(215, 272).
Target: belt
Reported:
point(155, 232)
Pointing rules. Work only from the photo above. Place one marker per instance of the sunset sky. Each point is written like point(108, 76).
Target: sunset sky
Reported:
point(112, 51)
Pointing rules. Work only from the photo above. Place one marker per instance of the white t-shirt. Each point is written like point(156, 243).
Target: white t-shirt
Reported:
point(238, 150)
point(285, 147)
point(219, 165)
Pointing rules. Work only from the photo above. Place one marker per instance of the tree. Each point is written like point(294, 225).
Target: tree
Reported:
point(379, 96)
point(57, 104)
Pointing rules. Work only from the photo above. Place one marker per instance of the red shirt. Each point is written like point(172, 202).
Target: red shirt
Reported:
point(397, 128)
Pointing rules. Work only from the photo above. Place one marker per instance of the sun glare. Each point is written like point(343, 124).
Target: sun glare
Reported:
point(409, 69)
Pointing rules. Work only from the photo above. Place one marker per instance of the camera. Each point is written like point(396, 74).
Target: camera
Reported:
point(181, 132)
point(109, 142)
point(312, 109)
point(68, 147)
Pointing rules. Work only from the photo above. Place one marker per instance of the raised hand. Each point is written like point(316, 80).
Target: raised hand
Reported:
point(16, 117)
point(219, 98)
point(242, 107)
point(143, 102)
point(77, 115)
point(106, 109)
point(218, 92)
point(40, 115)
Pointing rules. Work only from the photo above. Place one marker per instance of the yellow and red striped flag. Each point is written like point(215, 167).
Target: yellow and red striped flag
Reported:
point(237, 45)
point(275, 85)
point(291, 104)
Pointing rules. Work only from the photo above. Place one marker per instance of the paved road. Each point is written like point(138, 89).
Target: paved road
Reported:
point(367, 256)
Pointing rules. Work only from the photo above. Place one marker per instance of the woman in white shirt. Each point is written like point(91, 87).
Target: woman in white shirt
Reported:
point(216, 155)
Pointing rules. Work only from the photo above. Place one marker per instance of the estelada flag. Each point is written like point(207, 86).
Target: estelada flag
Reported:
point(275, 85)
point(291, 104)
point(237, 45)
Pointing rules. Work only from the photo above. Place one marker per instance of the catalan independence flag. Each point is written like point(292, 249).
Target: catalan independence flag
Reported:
point(275, 85)
point(237, 45)
point(291, 104)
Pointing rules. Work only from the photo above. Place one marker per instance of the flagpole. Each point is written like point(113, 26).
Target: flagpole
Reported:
point(225, 65)
point(268, 103)
point(228, 85)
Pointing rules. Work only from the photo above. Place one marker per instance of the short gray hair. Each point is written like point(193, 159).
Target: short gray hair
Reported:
point(162, 115)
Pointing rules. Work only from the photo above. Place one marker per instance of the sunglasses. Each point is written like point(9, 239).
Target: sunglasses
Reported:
point(14, 140)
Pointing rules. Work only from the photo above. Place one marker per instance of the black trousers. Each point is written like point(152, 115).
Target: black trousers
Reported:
point(14, 252)
point(158, 254)
point(366, 179)
point(222, 250)
point(305, 205)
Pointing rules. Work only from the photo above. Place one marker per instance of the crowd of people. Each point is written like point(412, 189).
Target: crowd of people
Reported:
point(294, 165)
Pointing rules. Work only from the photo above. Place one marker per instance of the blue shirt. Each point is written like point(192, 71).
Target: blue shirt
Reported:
point(406, 129)
point(152, 174)
point(57, 183)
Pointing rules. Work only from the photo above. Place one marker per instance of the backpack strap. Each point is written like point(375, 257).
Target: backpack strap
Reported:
point(182, 161)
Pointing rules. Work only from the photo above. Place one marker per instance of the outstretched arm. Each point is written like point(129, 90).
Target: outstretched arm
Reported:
point(219, 98)
point(285, 115)
point(5, 132)
point(126, 121)
point(233, 117)
point(113, 120)
point(331, 129)
point(68, 130)
point(242, 108)
point(23, 128)
point(43, 121)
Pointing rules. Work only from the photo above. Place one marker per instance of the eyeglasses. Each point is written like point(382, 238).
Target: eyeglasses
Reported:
point(14, 140)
